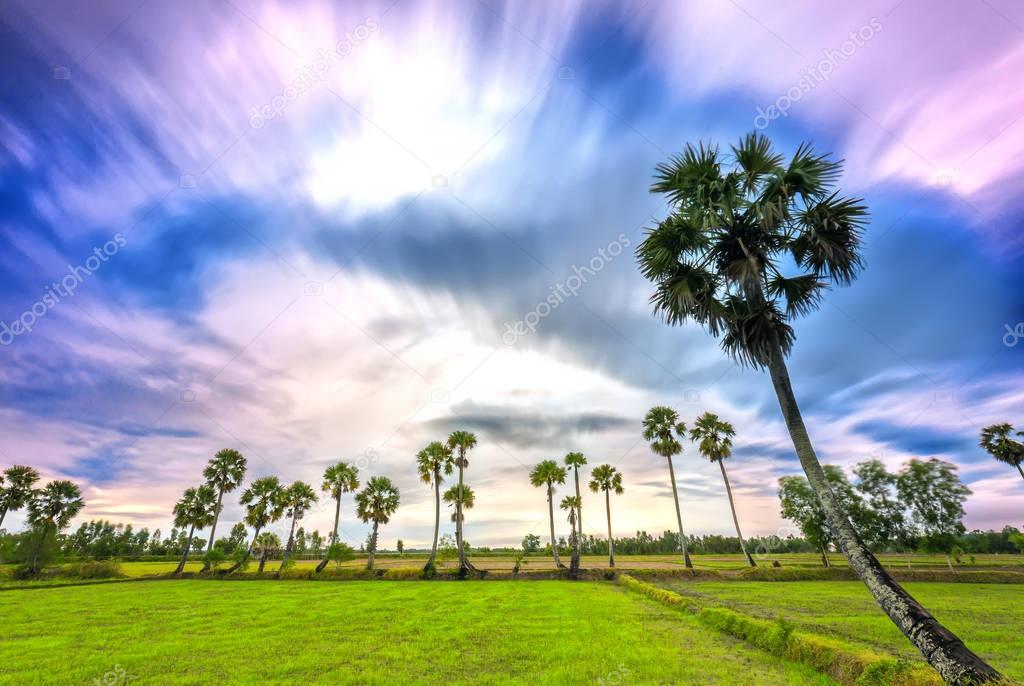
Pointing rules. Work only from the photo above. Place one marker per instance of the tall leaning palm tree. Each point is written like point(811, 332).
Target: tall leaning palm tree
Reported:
point(998, 441)
point(196, 510)
point(51, 509)
point(376, 503)
point(264, 505)
point(574, 461)
point(339, 478)
point(608, 479)
point(296, 499)
point(224, 472)
point(751, 242)
point(547, 474)
point(460, 442)
point(432, 463)
point(16, 489)
point(714, 442)
point(662, 429)
point(571, 503)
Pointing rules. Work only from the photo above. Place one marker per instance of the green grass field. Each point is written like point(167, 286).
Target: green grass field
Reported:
point(202, 632)
point(988, 617)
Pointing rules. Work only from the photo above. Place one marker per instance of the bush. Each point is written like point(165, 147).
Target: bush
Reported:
point(106, 569)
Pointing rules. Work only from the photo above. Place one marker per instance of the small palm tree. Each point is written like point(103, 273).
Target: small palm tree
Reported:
point(225, 473)
point(459, 499)
point(376, 503)
point(266, 544)
point(460, 442)
point(338, 479)
point(998, 442)
point(196, 510)
point(51, 509)
point(18, 489)
point(715, 443)
point(574, 461)
point(431, 462)
point(571, 503)
point(608, 479)
point(663, 429)
point(263, 506)
point(750, 244)
point(548, 473)
point(296, 499)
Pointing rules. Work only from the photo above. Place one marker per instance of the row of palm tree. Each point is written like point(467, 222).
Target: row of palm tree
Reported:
point(437, 460)
point(50, 508)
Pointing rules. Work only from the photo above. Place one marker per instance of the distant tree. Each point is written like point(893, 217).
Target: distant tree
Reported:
point(236, 539)
point(225, 473)
point(608, 479)
point(376, 503)
point(714, 442)
point(801, 506)
point(998, 441)
point(883, 520)
point(531, 543)
point(662, 429)
point(50, 510)
point(316, 541)
point(264, 505)
point(572, 504)
point(16, 489)
point(460, 442)
point(400, 546)
point(265, 546)
point(431, 463)
point(547, 474)
point(196, 510)
point(446, 551)
point(300, 541)
point(339, 553)
point(297, 499)
point(935, 495)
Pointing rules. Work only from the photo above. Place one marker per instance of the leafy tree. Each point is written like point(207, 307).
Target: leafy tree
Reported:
point(935, 495)
point(400, 546)
point(339, 478)
point(460, 442)
point(196, 510)
point(339, 553)
point(50, 510)
point(571, 503)
point(431, 462)
point(714, 442)
point(574, 461)
point(883, 521)
point(662, 429)
point(531, 543)
point(750, 244)
point(608, 479)
point(297, 499)
point(16, 489)
point(225, 473)
point(265, 546)
point(264, 505)
point(316, 541)
point(997, 440)
point(446, 551)
point(236, 539)
point(547, 474)
point(376, 503)
point(300, 541)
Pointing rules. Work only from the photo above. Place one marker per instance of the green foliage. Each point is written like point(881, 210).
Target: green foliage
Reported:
point(663, 430)
point(241, 559)
point(214, 558)
point(340, 552)
point(531, 543)
point(378, 501)
point(105, 569)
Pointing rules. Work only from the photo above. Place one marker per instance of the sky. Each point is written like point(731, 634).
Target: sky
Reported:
point(318, 232)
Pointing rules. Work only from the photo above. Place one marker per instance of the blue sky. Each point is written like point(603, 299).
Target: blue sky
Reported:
point(304, 230)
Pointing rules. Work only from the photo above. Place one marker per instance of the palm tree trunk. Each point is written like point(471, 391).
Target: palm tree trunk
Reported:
point(263, 561)
point(458, 515)
point(579, 513)
point(288, 548)
point(337, 519)
point(3, 514)
point(943, 650)
point(824, 557)
point(437, 519)
point(551, 520)
point(1019, 469)
point(373, 547)
point(735, 520)
point(216, 516)
point(38, 549)
point(248, 553)
point(608, 510)
point(184, 556)
point(679, 516)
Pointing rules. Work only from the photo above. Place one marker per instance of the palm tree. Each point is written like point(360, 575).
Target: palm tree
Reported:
point(51, 509)
point(608, 479)
point(431, 463)
point(572, 504)
point(296, 499)
point(263, 506)
point(997, 441)
point(196, 510)
point(225, 473)
point(715, 438)
point(267, 543)
point(338, 478)
point(460, 442)
point(548, 473)
point(718, 259)
point(663, 429)
point(376, 503)
point(16, 494)
point(460, 499)
point(574, 461)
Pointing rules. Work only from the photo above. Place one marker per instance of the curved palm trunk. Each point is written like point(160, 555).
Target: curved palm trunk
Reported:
point(1019, 469)
point(463, 562)
point(551, 521)
point(216, 516)
point(288, 548)
point(3, 514)
point(39, 549)
point(437, 520)
point(579, 514)
point(248, 554)
point(184, 556)
point(946, 653)
point(263, 561)
point(824, 557)
point(611, 545)
point(373, 547)
point(334, 534)
point(679, 516)
point(735, 520)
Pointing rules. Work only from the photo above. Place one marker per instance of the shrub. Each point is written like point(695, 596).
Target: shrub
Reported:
point(214, 558)
point(97, 569)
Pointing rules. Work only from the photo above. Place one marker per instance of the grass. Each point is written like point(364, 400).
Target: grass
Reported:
point(988, 617)
point(199, 632)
